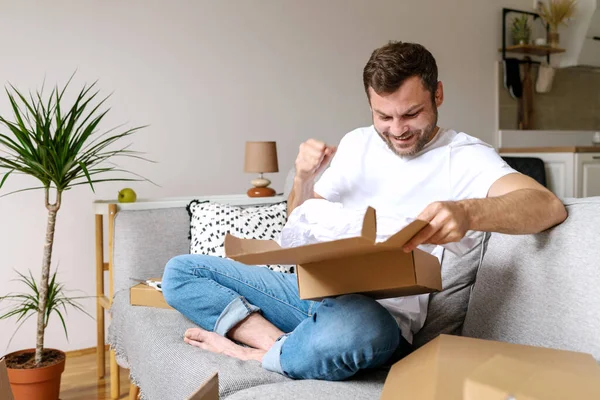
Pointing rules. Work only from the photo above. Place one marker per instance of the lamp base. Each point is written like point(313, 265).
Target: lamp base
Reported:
point(261, 192)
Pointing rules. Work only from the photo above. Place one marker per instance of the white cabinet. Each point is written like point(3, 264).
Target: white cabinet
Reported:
point(569, 174)
point(587, 171)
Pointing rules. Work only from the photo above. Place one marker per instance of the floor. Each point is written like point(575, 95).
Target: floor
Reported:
point(79, 380)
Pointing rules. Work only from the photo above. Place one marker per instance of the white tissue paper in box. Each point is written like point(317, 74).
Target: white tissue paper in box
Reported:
point(319, 220)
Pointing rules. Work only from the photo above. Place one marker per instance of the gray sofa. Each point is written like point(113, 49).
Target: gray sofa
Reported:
point(541, 290)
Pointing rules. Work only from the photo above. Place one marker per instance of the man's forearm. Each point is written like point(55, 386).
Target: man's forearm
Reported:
point(301, 191)
point(523, 211)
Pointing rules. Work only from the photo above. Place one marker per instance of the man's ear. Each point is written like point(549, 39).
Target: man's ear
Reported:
point(439, 94)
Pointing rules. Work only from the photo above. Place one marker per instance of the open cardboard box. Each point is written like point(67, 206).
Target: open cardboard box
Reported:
point(5, 390)
point(351, 265)
point(144, 295)
point(448, 367)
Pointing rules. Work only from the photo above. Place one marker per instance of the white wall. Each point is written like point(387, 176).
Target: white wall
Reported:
point(208, 75)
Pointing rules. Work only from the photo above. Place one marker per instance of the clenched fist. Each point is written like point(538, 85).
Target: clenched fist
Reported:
point(313, 158)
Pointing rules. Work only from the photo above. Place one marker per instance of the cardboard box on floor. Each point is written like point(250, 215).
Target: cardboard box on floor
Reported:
point(5, 390)
point(455, 368)
point(351, 265)
point(144, 295)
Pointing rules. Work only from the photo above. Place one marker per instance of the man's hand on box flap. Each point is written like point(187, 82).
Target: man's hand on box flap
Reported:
point(448, 222)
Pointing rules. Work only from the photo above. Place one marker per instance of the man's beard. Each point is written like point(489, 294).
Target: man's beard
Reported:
point(424, 137)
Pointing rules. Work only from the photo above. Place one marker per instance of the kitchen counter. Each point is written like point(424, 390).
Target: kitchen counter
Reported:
point(533, 139)
point(551, 149)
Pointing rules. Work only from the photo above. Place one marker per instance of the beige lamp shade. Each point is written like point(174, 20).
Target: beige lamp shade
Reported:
point(261, 157)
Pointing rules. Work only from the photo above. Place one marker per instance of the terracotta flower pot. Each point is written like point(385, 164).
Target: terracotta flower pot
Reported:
point(36, 383)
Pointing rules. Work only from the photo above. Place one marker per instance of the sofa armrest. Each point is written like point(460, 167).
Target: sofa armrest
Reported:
point(144, 240)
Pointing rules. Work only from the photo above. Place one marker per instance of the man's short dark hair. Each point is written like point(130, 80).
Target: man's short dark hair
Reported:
point(392, 64)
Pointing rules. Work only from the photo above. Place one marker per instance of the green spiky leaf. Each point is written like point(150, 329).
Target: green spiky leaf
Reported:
point(59, 142)
point(26, 304)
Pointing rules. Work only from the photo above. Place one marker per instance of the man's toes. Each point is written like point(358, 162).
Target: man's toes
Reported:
point(195, 333)
point(195, 343)
point(189, 332)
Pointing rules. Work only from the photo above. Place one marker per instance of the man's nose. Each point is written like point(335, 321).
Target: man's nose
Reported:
point(398, 128)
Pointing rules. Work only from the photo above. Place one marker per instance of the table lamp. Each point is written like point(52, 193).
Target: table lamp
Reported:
point(261, 157)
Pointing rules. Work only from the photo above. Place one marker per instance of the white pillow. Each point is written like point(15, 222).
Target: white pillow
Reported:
point(210, 222)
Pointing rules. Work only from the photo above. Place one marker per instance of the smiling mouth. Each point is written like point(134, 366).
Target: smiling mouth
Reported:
point(402, 138)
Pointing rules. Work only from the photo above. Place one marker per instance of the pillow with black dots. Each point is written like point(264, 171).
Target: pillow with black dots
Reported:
point(211, 221)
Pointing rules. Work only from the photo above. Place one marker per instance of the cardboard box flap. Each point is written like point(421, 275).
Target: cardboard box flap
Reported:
point(235, 246)
point(402, 237)
point(428, 272)
point(369, 228)
point(260, 252)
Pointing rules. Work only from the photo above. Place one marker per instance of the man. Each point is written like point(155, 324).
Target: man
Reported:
point(404, 161)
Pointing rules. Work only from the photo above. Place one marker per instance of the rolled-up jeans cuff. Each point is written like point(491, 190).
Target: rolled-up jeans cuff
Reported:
point(271, 361)
point(233, 314)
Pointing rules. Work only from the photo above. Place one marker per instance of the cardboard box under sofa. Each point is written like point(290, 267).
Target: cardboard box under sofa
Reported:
point(461, 368)
point(350, 265)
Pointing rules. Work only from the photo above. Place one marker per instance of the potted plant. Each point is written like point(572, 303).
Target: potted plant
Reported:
point(520, 30)
point(58, 144)
point(554, 14)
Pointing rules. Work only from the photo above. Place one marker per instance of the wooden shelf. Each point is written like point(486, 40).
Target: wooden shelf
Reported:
point(533, 49)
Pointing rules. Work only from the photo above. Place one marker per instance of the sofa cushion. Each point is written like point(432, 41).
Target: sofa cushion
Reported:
point(363, 386)
point(210, 222)
point(149, 341)
point(145, 240)
point(447, 309)
point(542, 289)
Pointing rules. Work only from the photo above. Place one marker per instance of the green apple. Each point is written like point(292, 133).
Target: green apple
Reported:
point(127, 195)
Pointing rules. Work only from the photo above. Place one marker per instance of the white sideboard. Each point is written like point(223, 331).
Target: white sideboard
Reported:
point(569, 174)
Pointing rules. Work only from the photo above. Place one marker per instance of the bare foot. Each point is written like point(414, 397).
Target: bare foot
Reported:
point(218, 344)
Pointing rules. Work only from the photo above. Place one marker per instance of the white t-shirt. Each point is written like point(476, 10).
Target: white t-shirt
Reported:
point(365, 172)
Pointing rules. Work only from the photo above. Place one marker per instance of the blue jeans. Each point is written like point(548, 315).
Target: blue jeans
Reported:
point(331, 339)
